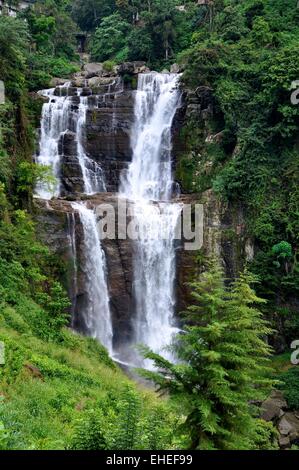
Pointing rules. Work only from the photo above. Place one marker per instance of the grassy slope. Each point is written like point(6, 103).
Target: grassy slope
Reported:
point(40, 407)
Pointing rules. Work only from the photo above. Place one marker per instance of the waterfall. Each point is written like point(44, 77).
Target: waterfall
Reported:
point(55, 121)
point(148, 184)
point(96, 312)
point(58, 117)
point(149, 178)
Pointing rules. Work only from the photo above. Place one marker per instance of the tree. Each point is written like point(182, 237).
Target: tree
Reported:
point(223, 367)
point(160, 19)
point(14, 39)
point(109, 38)
point(52, 29)
point(140, 44)
point(89, 13)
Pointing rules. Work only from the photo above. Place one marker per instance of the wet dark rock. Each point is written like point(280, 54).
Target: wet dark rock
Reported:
point(108, 128)
point(65, 91)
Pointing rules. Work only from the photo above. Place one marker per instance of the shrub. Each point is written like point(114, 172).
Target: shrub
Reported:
point(290, 387)
point(88, 433)
point(109, 65)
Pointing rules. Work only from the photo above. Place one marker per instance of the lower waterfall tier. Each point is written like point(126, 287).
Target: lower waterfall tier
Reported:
point(60, 228)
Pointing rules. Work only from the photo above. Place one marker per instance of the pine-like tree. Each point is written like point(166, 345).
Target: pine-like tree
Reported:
point(223, 370)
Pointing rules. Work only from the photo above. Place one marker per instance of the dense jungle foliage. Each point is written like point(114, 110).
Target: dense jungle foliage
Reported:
point(58, 390)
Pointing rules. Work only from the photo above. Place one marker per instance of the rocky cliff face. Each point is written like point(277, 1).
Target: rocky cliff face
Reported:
point(225, 234)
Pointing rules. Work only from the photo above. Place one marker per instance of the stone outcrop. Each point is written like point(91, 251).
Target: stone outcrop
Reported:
point(93, 70)
point(72, 181)
point(132, 68)
point(274, 407)
point(275, 410)
point(55, 81)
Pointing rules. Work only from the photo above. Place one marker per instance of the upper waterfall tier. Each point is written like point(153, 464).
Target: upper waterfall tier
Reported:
point(84, 137)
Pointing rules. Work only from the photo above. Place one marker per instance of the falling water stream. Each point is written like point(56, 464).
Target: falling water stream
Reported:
point(92, 173)
point(96, 312)
point(149, 185)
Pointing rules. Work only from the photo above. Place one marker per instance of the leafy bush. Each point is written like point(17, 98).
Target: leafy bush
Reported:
point(290, 387)
point(109, 65)
point(109, 38)
point(88, 433)
point(125, 424)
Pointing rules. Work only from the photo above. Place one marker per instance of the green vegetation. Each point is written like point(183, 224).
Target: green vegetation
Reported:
point(246, 59)
point(154, 31)
point(290, 387)
point(69, 394)
point(61, 391)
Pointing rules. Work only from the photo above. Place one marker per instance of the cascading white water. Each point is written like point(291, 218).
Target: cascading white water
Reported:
point(54, 122)
point(57, 118)
point(92, 173)
point(149, 179)
point(150, 174)
point(96, 314)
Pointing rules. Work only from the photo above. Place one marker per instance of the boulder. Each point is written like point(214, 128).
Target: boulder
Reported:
point(93, 70)
point(140, 67)
point(273, 407)
point(57, 82)
point(100, 81)
point(289, 426)
point(284, 442)
point(79, 80)
point(132, 68)
point(175, 68)
point(127, 68)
